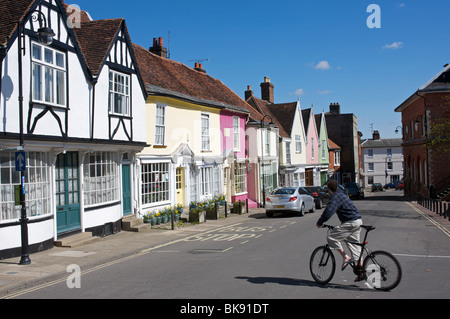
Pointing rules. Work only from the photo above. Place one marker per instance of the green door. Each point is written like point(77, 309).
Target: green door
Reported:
point(126, 190)
point(67, 193)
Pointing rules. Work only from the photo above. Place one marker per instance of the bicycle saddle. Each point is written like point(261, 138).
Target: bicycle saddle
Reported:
point(368, 228)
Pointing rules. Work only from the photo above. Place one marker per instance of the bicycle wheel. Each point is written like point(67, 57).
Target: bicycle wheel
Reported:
point(382, 270)
point(322, 264)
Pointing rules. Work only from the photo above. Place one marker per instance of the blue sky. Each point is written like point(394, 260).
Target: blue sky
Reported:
point(319, 51)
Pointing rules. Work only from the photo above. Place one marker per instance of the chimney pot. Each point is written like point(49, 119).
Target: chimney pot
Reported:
point(248, 93)
point(376, 135)
point(158, 47)
point(267, 90)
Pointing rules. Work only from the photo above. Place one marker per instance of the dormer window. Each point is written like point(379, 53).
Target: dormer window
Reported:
point(119, 93)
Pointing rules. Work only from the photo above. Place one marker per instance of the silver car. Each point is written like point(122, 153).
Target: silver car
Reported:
point(295, 199)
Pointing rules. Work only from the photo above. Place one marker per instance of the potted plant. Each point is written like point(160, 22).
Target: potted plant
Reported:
point(211, 212)
point(158, 218)
point(238, 207)
point(197, 214)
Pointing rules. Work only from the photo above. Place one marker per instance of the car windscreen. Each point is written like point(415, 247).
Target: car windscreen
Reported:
point(284, 191)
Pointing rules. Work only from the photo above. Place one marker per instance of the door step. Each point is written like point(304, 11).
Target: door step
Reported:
point(134, 224)
point(76, 240)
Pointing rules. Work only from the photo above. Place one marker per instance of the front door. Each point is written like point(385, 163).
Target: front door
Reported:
point(126, 190)
point(180, 185)
point(67, 193)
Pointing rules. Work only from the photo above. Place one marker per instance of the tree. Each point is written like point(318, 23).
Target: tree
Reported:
point(439, 131)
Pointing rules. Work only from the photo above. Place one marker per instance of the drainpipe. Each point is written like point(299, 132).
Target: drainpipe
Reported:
point(94, 80)
point(2, 57)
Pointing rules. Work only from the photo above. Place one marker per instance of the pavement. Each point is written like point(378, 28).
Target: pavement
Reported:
point(53, 265)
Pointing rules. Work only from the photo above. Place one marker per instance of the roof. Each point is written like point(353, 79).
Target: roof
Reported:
point(439, 83)
point(166, 77)
point(382, 143)
point(11, 12)
point(282, 114)
point(332, 145)
point(93, 47)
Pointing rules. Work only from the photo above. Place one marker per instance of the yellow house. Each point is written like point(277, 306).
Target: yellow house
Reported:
point(185, 157)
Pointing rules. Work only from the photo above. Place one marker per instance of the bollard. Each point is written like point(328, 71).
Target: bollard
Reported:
point(226, 209)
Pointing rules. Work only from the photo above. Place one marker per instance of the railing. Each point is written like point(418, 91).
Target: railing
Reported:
point(435, 205)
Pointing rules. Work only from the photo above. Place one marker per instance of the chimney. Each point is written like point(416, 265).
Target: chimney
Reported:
point(267, 90)
point(199, 67)
point(376, 135)
point(335, 108)
point(158, 48)
point(248, 93)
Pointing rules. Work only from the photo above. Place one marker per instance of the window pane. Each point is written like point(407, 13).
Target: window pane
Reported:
point(48, 55)
point(48, 85)
point(37, 52)
point(60, 60)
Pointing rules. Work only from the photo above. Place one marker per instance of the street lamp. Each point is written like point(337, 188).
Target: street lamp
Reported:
point(396, 129)
point(45, 36)
point(262, 158)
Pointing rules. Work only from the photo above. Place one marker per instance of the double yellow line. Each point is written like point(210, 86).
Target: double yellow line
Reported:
point(442, 228)
point(114, 262)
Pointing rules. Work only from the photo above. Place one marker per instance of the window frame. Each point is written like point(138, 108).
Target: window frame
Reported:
point(113, 92)
point(160, 139)
point(58, 77)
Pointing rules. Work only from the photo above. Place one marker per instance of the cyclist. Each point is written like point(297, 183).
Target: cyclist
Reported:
point(350, 227)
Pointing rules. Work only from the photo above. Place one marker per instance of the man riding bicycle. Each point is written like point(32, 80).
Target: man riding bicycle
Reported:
point(350, 227)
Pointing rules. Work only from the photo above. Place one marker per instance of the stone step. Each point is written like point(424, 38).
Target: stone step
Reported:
point(76, 240)
point(134, 224)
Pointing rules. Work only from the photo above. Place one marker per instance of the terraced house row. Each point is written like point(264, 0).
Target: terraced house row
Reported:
point(95, 128)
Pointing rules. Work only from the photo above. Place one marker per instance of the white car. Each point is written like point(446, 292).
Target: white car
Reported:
point(287, 199)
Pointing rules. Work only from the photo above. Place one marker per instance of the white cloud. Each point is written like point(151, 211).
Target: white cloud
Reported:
point(323, 65)
point(322, 92)
point(299, 92)
point(394, 45)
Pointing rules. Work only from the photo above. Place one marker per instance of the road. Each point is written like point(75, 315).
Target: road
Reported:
point(267, 258)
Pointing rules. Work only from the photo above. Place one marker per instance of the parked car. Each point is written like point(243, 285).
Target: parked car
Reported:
point(320, 194)
point(377, 187)
point(354, 190)
point(288, 199)
point(342, 188)
point(399, 185)
point(389, 185)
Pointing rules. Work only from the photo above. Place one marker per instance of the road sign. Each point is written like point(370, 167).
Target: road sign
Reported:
point(21, 165)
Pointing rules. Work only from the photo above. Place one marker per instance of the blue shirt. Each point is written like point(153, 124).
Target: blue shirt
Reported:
point(341, 205)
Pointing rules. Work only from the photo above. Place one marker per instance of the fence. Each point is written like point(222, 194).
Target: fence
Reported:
point(435, 205)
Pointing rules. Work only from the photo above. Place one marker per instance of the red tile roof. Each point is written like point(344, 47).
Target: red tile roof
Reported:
point(163, 76)
point(11, 12)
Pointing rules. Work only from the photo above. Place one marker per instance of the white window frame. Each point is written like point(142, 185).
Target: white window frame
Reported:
point(101, 178)
point(155, 183)
point(205, 132)
point(298, 144)
point(49, 75)
point(38, 194)
point(312, 148)
point(119, 91)
point(160, 124)
point(240, 178)
point(236, 134)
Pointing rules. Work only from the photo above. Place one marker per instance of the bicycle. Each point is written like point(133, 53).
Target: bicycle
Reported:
point(379, 268)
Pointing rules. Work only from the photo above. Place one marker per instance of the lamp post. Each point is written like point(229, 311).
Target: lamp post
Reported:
point(45, 36)
point(262, 159)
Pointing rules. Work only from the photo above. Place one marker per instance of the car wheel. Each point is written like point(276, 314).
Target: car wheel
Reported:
point(302, 210)
point(269, 214)
point(319, 204)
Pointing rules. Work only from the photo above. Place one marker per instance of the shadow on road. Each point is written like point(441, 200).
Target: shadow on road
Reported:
point(302, 282)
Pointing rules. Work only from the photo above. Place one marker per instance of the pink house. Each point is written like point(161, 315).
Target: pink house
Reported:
point(312, 176)
point(232, 127)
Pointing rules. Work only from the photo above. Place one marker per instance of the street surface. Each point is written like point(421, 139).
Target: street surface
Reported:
point(268, 258)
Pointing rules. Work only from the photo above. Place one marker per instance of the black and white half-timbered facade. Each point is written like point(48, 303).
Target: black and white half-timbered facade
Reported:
point(72, 116)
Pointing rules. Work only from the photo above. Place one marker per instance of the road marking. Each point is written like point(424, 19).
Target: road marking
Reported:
point(443, 229)
point(420, 256)
point(111, 263)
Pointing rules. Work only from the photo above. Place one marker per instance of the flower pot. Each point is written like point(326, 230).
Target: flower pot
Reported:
point(197, 217)
point(164, 219)
point(212, 214)
point(158, 220)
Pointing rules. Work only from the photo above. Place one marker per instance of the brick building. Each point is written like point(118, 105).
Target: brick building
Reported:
point(426, 169)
